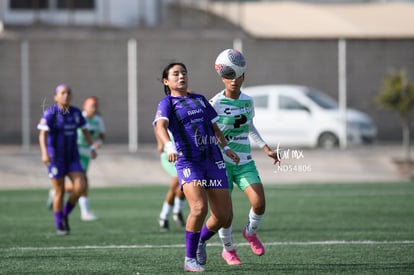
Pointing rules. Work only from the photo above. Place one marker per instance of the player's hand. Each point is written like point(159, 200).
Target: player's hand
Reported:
point(94, 154)
point(231, 154)
point(172, 157)
point(274, 155)
point(46, 159)
point(97, 144)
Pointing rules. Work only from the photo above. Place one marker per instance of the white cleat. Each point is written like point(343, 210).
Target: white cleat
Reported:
point(88, 217)
point(192, 265)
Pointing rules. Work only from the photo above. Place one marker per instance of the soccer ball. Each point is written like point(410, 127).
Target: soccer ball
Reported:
point(230, 64)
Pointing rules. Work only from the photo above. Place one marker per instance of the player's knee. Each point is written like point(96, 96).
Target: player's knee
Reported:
point(199, 209)
point(259, 206)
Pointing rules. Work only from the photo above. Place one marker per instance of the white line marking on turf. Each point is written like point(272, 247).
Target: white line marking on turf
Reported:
point(150, 246)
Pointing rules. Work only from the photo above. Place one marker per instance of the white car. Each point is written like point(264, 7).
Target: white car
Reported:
point(290, 115)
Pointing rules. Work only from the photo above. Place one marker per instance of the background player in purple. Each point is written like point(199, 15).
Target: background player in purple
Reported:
point(58, 144)
point(199, 162)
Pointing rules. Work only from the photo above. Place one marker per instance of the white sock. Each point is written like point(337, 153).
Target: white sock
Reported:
point(178, 205)
point(225, 235)
point(254, 222)
point(84, 204)
point(165, 211)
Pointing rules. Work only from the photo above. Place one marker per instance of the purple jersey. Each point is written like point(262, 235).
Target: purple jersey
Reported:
point(190, 122)
point(62, 136)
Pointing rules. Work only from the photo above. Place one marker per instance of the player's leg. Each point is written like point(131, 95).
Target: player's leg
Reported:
point(225, 234)
point(179, 199)
point(84, 205)
point(221, 212)
point(167, 206)
point(78, 182)
point(255, 194)
point(198, 205)
point(59, 192)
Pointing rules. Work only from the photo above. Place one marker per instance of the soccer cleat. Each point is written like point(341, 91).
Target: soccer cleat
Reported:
point(50, 197)
point(179, 219)
point(255, 244)
point(201, 253)
point(88, 216)
point(164, 227)
point(192, 265)
point(63, 228)
point(231, 257)
point(65, 224)
point(61, 231)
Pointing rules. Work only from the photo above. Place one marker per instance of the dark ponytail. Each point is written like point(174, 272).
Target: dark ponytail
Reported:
point(167, 68)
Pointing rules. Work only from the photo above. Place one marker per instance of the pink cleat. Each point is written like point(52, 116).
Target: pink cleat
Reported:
point(231, 257)
point(255, 244)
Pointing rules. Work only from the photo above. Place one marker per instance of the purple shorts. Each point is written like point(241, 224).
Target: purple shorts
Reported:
point(208, 174)
point(59, 170)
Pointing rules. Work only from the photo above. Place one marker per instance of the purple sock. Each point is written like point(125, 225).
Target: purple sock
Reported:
point(206, 233)
point(58, 218)
point(68, 208)
point(191, 243)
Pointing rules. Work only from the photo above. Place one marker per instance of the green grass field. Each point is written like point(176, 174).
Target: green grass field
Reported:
point(308, 229)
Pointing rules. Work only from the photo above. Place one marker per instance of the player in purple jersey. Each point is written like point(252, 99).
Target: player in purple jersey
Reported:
point(58, 144)
point(199, 162)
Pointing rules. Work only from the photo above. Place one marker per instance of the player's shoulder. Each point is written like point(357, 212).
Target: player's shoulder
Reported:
point(195, 95)
point(97, 117)
point(217, 97)
point(244, 96)
point(74, 109)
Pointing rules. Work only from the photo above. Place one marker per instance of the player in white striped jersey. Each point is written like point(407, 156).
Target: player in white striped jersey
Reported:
point(236, 112)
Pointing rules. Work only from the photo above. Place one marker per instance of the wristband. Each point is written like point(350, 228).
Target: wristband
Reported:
point(225, 148)
point(169, 147)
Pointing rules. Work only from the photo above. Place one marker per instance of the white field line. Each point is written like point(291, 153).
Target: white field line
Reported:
point(150, 246)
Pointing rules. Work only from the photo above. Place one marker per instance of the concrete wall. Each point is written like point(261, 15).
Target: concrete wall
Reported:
point(97, 65)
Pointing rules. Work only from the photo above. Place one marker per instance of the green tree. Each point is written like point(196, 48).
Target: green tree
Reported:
point(397, 95)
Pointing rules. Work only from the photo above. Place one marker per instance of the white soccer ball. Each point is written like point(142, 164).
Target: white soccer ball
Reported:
point(230, 64)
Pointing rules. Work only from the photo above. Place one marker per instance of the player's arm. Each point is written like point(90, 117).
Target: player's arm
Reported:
point(162, 134)
point(223, 143)
point(160, 147)
point(99, 142)
point(89, 140)
point(255, 136)
point(43, 148)
point(101, 136)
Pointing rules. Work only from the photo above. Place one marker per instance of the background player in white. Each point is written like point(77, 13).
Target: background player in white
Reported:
point(96, 127)
point(236, 112)
point(174, 199)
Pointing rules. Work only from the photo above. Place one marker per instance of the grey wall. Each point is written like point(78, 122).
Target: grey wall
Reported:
point(97, 65)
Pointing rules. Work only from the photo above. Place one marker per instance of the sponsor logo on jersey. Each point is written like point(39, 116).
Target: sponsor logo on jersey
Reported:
point(194, 112)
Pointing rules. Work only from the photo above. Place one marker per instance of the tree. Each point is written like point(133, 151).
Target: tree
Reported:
point(397, 95)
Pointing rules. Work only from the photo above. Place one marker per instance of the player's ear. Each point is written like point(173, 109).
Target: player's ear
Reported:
point(165, 81)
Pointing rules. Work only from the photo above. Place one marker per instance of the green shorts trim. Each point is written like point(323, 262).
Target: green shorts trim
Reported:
point(169, 167)
point(242, 175)
point(85, 162)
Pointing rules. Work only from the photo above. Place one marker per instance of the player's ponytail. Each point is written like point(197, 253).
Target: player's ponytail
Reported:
point(167, 68)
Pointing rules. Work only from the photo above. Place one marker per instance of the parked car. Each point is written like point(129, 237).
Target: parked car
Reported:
point(291, 115)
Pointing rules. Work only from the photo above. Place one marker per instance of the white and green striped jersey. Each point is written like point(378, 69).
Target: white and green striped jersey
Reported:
point(235, 120)
point(95, 125)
